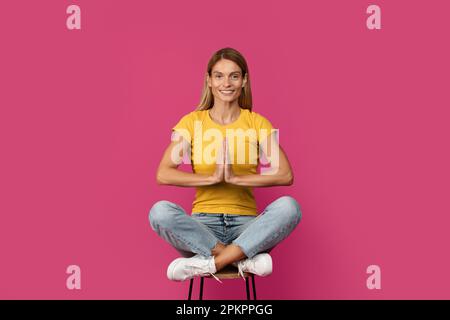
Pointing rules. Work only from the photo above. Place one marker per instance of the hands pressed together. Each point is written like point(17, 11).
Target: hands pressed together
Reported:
point(224, 170)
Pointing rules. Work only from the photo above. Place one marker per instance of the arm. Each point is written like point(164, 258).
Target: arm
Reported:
point(168, 173)
point(279, 174)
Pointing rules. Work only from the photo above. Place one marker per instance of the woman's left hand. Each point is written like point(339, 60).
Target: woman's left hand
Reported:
point(229, 176)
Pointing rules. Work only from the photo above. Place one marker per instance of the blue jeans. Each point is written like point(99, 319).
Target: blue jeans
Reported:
point(200, 232)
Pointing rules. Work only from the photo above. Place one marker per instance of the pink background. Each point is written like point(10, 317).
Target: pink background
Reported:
point(363, 116)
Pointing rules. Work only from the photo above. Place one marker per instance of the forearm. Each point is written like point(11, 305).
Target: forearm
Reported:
point(175, 177)
point(259, 180)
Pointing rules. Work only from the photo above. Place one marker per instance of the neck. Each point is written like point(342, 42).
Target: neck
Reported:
point(225, 112)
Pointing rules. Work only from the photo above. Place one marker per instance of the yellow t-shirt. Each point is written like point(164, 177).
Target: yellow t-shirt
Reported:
point(205, 137)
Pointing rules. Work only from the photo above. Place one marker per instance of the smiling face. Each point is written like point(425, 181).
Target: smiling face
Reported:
point(226, 81)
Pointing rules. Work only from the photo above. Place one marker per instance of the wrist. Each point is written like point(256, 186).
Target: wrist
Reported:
point(233, 180)
point(213, 179)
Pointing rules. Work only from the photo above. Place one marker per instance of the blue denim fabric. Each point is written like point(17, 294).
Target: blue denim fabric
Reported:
point(200, 232)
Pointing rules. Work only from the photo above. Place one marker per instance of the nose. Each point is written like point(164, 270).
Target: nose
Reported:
point(226, 82)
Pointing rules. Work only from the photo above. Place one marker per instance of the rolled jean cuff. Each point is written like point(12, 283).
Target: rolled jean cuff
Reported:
point(245, 249)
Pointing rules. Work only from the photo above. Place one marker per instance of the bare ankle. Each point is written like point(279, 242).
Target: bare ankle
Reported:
point(218, 249)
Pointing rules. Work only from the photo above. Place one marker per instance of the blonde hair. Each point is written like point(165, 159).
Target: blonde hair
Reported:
point(245, 99)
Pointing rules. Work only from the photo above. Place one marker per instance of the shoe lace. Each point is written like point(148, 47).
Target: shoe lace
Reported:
point(215, 277)
point(193, 268)
point(240, 269)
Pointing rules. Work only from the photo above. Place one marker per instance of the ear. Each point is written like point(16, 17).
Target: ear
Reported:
point(244, 82)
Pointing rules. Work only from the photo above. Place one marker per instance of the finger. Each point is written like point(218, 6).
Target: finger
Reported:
point(227, 152)
point(219, 158)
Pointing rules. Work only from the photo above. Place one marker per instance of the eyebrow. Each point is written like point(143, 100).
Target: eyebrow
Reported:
point(230, 72)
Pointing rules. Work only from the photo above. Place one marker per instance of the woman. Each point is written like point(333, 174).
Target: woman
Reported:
point(222, 139)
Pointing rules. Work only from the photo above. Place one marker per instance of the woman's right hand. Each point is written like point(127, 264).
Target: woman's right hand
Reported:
point(219, 173)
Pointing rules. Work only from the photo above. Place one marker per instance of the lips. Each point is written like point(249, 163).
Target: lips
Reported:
point(227, 92)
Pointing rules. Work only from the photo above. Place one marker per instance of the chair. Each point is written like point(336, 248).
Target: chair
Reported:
point(229, 272)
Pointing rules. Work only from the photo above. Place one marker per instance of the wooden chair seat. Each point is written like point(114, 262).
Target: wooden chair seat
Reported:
point(229, 272)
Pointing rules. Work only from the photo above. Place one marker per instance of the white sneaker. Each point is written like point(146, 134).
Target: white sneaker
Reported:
point(261, 265)
point(182, 269)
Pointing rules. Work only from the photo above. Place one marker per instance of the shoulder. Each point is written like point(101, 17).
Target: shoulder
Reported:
point(257, 119)
point(191, 117)
point(194, 115)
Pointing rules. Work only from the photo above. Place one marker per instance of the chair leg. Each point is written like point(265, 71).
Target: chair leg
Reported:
point(247, 288)
point(190, 289)
point(254, 287)
point(201, 288)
